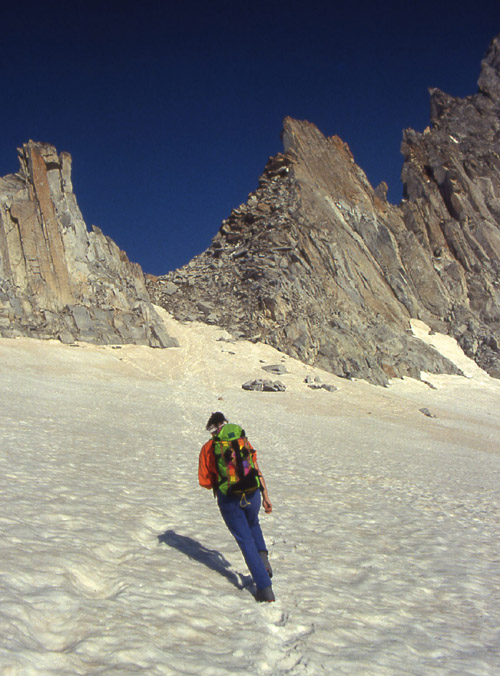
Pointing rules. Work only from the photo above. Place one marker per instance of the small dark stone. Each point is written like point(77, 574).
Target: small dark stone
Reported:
point(426, 412)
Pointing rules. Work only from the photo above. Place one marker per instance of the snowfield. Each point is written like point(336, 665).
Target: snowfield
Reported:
point(384, 539)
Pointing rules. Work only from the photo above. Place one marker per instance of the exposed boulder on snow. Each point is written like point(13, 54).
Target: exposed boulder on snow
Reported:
point(277, 369)
point(264, 385)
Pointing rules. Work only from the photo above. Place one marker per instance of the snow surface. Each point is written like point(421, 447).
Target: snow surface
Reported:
point(384, 539)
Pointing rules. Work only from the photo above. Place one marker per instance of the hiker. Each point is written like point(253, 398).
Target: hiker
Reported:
point(228, 465)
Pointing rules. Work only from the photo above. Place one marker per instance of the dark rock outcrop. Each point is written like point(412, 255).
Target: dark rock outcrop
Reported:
point(318, 264)
point(263, 385)
point(57, 280)
point(451, 177)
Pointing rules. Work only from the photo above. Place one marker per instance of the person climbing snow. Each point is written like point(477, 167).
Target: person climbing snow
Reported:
point(228, 465)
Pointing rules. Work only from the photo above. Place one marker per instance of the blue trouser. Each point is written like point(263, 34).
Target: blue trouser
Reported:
point(243, 522)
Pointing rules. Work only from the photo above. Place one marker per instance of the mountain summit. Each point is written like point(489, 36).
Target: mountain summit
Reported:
point(318, 264)
point(57, 280)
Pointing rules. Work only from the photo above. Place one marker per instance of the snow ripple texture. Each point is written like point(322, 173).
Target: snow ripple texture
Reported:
point(384, 539)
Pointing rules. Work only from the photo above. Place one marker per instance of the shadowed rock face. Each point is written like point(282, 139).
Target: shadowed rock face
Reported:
point(321, 266)
point(451, 176)
point(57, 280)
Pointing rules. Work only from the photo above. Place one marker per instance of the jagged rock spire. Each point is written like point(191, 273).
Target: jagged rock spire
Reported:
point(489, 79)
point(57, 280)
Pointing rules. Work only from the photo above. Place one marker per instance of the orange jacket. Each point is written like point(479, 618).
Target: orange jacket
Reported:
point(207, 469)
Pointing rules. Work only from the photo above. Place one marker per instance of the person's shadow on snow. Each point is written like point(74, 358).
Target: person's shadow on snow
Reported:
point(209, 557)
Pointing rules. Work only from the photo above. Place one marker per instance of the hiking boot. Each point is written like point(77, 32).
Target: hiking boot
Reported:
point(265, 561)
point(265, 595)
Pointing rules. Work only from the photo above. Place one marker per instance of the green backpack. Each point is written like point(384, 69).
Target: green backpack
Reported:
point(233, 457)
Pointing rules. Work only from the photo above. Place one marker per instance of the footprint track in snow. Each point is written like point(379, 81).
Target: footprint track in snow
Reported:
point(285, 652)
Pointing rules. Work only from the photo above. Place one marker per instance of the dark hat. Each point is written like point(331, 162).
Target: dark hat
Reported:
point(215, 421)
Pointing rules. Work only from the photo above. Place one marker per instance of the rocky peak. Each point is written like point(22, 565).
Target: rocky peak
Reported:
point(309, 264)
point(57, 280)
point(321, 266)
point(489, 79)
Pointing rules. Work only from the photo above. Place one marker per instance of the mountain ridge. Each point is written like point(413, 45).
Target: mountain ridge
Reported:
point(316, 263)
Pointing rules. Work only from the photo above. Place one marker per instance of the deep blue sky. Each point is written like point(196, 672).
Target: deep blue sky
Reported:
point(170, 110)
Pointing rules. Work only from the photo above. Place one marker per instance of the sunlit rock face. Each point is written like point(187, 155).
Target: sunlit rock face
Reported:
point(318, 264)
point(57, 280)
